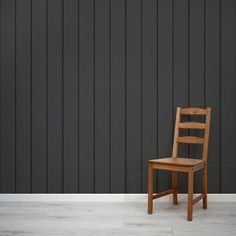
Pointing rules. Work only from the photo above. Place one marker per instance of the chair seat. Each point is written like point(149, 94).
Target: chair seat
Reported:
point(178, 161)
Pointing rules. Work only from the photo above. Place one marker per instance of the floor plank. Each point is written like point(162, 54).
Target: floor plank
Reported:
point(117, 218)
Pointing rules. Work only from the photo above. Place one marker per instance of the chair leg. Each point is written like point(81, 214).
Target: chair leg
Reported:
point(190, 195)
point(174, 186)
point(150, 189)
point(204, 186)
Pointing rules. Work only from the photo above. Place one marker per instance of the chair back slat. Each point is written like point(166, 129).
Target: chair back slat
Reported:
point(192, 125)
point(193, 111)
point(190, 139)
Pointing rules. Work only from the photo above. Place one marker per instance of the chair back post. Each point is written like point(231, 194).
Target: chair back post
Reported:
point(176, 134)
point(206, 135)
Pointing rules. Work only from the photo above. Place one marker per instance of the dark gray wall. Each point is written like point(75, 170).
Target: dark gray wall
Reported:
point(89, 91)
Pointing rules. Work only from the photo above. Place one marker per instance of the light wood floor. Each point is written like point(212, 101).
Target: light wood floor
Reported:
point(121, 218)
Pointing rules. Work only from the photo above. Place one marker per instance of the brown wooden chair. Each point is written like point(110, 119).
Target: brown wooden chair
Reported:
point(178, 164)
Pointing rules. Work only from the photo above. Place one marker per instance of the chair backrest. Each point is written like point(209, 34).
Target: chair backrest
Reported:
point(192, 125)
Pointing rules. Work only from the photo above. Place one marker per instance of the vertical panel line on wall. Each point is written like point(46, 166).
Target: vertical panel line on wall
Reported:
point(125, 96)
point(46, 96)
point(78, 97)
point(173, 65)
point(141, 95)
point(220, 89)
point(62, 95)
point(15, 97)
point(188, 66)
point(157, 90)
point(188, 55)
point(94, 115)
point(31, 76)
point(204, 49)
point(235, 88)
point(0, 99)
point(109, 96)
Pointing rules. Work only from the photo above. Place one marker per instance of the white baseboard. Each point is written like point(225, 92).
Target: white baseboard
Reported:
point(103, 198)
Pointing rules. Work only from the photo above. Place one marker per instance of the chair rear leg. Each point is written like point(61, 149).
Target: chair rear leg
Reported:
point(190, 195)
point(150, 189)
point(174, 186)
point(204, 186)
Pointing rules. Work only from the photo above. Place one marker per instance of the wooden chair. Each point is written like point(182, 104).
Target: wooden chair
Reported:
point(178, 164)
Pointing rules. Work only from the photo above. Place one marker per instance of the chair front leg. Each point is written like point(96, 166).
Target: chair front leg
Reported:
point(204, 186)
point(150, 189)
point(174, 187)
point(190, 195)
